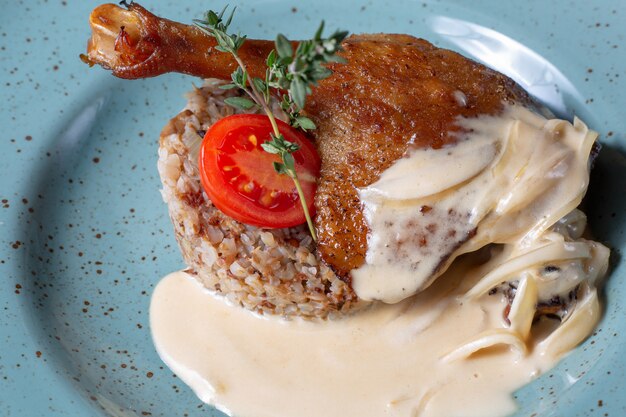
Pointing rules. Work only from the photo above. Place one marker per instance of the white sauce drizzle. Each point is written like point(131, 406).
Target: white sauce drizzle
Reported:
point(448, 350)
point(508, 180)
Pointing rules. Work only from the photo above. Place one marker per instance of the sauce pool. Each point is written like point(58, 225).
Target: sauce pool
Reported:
point(385, 361)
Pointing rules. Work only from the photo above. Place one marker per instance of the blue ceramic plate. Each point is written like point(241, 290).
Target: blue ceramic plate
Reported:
point(85, 236)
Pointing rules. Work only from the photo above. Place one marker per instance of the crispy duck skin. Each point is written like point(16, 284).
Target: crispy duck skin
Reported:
point(394, 92)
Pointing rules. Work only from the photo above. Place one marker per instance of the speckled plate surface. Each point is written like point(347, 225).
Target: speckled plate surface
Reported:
point(85, 236)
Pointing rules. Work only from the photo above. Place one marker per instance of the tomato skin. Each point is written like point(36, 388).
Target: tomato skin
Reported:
point(239, 177)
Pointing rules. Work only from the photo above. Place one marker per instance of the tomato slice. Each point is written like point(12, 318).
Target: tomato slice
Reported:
point(239, 177)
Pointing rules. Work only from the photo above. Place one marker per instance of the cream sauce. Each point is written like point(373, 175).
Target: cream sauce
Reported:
point(507, 180)
point(385, 361)
point(514, 180)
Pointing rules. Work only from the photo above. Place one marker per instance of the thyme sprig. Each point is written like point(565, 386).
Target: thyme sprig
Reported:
point(290, 74)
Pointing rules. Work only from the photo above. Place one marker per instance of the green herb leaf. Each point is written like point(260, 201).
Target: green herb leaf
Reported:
point(318, 32)
point(240, 102)
point(270, 148)
point(283, 46)
point(290, 163)
point(230, 18)
point(336, 58)
point(278, 145)
point(215, 26)
point(271, 59)
point(320, 73)
point(304, 123)
point(239, 40)
point(280, 168)
point(259, 84)
point(297, 91)
point(228, 86)
point(239, 78)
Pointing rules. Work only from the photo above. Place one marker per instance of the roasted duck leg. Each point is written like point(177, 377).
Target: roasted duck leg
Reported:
point(134, 43)
point(395, 92)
